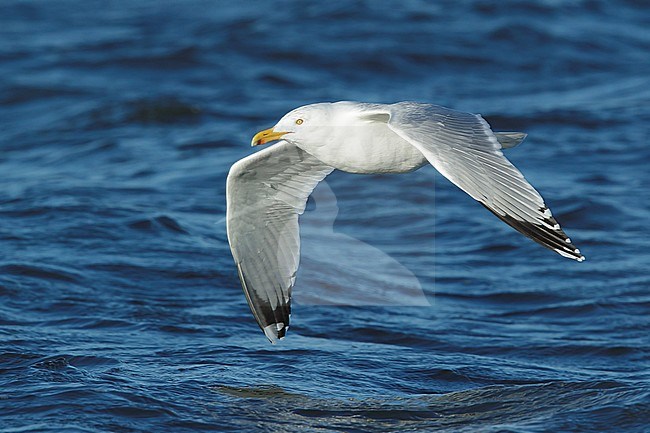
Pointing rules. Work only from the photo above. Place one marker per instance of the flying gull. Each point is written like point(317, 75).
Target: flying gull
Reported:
point(267, 191)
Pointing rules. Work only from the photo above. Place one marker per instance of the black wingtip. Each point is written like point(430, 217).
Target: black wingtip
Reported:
point(547, 233)
point(273, 321)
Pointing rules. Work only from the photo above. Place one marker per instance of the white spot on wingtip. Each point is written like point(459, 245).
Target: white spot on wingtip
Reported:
point(567, 240)
point(271, 332)
point(552, 227)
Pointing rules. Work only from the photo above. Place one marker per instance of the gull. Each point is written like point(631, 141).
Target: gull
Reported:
point(267, 191)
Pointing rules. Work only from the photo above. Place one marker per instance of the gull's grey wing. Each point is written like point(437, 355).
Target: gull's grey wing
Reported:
point(463, 148)
point(265, 193)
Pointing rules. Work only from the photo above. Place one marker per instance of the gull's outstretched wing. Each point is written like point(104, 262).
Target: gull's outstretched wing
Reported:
point(463, 148)
point(265, 193)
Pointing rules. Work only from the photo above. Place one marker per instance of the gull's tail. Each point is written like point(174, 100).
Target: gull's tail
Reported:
point(510, 139)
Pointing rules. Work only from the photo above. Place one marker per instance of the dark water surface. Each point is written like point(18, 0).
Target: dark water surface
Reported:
point(120, 306)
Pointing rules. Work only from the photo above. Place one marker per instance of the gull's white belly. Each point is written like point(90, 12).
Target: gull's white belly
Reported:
point(371, 148)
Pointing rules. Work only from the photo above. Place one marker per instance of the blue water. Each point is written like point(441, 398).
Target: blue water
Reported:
point(120, 307)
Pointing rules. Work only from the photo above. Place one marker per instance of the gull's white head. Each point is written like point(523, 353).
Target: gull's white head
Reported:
point(350, 136)
point(302, 125)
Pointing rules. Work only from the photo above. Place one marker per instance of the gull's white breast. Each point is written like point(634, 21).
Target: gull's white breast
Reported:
point(367, 147)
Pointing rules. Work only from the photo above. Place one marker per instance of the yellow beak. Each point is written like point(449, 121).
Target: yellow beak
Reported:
point(265, 136)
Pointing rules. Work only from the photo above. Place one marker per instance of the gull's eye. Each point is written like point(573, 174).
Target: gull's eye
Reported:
point(299, 122)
